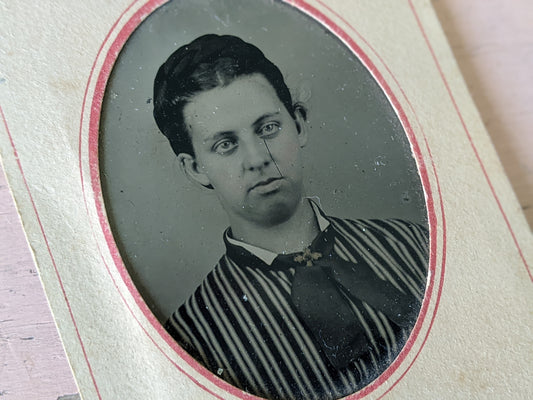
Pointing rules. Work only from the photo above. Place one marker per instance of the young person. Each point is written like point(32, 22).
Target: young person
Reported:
point(301, 305)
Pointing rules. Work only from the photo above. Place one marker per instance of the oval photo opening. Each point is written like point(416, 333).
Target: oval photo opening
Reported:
point(264, 197)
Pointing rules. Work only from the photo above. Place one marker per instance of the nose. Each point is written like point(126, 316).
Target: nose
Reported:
point(256, 154)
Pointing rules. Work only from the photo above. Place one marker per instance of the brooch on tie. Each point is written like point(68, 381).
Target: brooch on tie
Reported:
point(308, 257)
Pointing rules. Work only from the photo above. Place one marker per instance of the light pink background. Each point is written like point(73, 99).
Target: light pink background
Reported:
point(493, 43)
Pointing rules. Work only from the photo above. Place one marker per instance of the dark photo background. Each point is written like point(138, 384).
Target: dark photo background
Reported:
point(358, 161)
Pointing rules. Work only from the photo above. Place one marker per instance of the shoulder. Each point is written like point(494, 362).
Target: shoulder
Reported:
point(210, 285)
point(396, 250)
point(187, 323)
point(399, 231)
point(211, 293)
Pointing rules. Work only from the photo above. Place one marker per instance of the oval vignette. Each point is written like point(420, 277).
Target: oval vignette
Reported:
point(142, 186)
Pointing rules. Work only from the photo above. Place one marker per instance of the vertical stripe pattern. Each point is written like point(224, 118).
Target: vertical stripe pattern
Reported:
point(241, 324)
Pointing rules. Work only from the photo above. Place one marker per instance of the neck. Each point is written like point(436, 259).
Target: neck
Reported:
point(290, 236)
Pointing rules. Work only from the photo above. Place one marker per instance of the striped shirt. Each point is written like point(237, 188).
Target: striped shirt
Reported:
point(242, 325)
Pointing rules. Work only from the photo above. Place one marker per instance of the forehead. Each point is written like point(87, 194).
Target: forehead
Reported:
point(232, 107)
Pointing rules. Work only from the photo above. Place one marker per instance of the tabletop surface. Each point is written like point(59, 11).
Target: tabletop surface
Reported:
point(493, 43)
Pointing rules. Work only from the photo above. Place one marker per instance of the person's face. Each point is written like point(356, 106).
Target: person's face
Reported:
point(247, 147)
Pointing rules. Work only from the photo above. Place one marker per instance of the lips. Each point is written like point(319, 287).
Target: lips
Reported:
point(262, 185)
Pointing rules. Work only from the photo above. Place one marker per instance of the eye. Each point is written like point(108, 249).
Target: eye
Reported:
point(269, 129)
point(224, 146)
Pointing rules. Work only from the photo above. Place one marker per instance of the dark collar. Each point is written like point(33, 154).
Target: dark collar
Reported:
point(323, 243)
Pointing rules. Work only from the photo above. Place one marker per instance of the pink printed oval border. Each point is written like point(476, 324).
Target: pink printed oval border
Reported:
point(115, 40)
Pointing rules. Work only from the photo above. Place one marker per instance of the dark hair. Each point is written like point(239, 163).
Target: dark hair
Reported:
point(207, 62)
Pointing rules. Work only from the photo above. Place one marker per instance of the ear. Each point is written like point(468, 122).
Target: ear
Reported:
point(192, 170)
point(300, 118)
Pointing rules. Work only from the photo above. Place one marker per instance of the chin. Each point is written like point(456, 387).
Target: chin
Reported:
point(277, 213)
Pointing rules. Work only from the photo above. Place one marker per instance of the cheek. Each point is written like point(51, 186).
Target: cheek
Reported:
point(217, 167)
point(224, 174)
point(289, 154)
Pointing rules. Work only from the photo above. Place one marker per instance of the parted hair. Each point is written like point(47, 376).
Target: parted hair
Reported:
point(207, 62)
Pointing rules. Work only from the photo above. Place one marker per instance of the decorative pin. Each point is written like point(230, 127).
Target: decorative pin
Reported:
point(308, 257)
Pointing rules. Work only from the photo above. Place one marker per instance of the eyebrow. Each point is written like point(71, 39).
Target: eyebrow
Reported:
point(219, 135)
point(259, 121)
point(256, 124)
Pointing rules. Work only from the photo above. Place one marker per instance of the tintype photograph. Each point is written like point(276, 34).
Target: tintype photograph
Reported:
point(264, 197)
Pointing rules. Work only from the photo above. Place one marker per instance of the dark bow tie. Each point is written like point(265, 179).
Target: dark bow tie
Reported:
point(323, 287)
